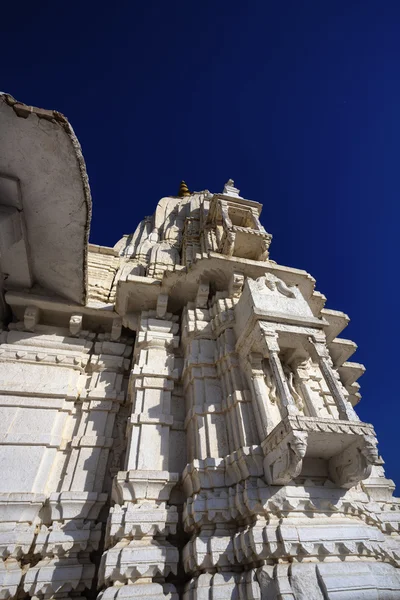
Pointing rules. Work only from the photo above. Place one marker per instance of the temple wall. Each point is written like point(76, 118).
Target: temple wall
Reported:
point(177, 413)
point(60, 395)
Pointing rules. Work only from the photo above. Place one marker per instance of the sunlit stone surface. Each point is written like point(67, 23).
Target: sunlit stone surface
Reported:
point(176, 412)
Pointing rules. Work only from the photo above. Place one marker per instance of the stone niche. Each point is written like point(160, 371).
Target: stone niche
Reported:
point(238, 228)
point(274, 322)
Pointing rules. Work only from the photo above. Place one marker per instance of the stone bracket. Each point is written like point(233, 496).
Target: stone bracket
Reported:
point(348, 447)
point(284, 463)
point(354, 464)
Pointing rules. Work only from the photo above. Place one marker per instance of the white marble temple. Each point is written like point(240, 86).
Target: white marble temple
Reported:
point(177, 412)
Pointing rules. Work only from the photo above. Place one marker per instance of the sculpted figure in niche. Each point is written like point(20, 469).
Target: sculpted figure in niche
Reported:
point(264, 255)
point(269, 382)
point(312, 387)
point(293, 383)
point(229, 245)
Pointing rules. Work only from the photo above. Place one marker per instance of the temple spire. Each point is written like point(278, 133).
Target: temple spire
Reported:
point(183, 189)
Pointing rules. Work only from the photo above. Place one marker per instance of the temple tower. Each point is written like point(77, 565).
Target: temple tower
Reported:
point(177, 412)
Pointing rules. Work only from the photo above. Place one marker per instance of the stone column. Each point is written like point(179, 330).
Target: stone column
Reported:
point(240, 418)
point(264, 421)
point(141, 519)
point(288, 404)
point(345, 409)
point(222, 434)
point(206, 422)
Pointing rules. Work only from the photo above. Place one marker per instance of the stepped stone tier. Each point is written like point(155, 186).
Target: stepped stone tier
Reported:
point(177, 412)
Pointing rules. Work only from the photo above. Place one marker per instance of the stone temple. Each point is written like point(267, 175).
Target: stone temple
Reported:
point(177, 414)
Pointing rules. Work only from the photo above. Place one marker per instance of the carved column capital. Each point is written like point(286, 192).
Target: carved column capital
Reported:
point(318, 341)
point(256, 362)
point(271, 339)
point(318, 337)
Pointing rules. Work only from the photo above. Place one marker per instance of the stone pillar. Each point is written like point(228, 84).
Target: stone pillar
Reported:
point(141, 519)
point(206, 422)
point(288, 404)
point(221, 433)
point(346, 411)
point(240, 418)
point(264, 420)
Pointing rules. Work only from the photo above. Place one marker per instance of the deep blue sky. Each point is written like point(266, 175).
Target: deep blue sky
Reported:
point(298, 101)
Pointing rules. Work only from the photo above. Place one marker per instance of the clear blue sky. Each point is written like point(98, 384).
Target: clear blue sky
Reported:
point(297, 101)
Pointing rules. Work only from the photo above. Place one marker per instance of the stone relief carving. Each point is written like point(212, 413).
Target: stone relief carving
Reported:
point(284, 463)
point(291, 380)
point(355, 463)
point(270, 382)
point(273, 283)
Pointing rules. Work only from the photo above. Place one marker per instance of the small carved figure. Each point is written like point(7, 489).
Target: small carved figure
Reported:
point(270, 382)
point(290, 378)
point(275, 284)
point(288, 462)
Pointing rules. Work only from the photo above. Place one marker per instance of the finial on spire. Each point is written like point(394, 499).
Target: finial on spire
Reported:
point(183, 189)
point(230, 189)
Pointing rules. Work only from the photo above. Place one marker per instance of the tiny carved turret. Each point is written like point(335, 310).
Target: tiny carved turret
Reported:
point(183, 189)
